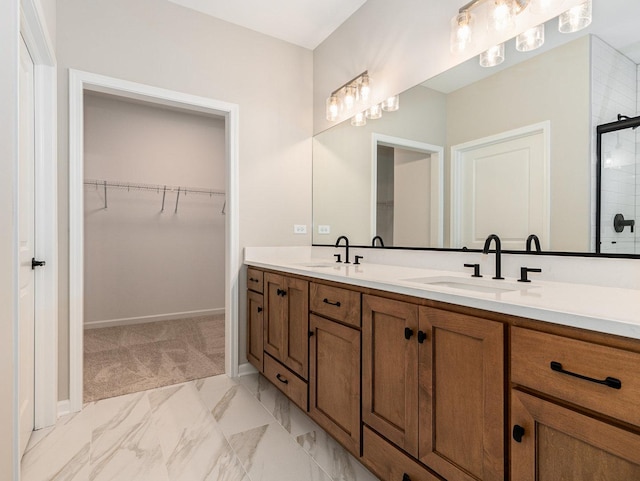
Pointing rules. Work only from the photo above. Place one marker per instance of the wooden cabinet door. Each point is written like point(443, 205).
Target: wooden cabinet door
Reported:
point(461, 395)
point(296, 332)
point(255, 329)
point(559, 443)
point(334, 381)
point(390, 370)
point(275, 318)
point(286, 324)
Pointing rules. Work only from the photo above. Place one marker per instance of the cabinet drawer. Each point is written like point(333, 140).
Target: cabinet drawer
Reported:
point(336, 303)
point(285, 380)
point(532, 355)
point(255, 280)
point(389, 463)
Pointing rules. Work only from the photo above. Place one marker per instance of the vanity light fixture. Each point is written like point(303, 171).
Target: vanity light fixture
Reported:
point(344, 99)
point(501, 16)
point(359, 119)
point(530, 39)
point(492, 57)
point(374, 112)
point(391, 104)
point(576, 18)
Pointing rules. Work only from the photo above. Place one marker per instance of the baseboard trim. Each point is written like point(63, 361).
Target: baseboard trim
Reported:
point(64, 407)
point(245, 369)
point(159, 317)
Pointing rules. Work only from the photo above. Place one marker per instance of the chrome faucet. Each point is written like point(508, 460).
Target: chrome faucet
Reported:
point(346, 246)
point(373, 241)
point(485, 250)
point(536, 243)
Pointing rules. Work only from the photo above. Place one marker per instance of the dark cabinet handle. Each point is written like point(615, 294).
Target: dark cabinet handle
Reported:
point(281, 292)
point(408, 332)
point(422, 336)
point(518, 432)
point(253, 280)
point(259, 309)
point(311, 333)
point(611, 382)
point(327, 301)
point(405, 477)
point(281, 379)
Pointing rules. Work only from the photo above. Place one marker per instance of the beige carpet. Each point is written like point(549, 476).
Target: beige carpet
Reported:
point(125, 359)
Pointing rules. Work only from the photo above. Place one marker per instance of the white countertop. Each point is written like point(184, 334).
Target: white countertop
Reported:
point(610, 310)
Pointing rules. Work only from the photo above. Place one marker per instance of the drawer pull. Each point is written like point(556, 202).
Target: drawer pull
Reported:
point(518, 432)
point(253, 280)
point(408, 332)
point(281, 379)
point(611, 382)
point(406, 477)
point(259, 309)
point(281, 292)
point(327, 301)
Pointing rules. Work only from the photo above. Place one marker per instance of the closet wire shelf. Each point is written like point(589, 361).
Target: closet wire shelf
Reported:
point(158, 188)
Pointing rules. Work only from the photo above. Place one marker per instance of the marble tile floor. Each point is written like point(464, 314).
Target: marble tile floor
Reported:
point(213, 429)
point(125, 359)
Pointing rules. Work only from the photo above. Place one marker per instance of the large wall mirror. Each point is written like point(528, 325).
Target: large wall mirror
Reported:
point(508, 150)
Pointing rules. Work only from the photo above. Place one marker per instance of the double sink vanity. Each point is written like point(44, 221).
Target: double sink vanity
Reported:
point(432, 374)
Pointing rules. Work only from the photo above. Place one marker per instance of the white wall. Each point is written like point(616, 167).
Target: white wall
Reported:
point(165, 45)
point(141, 262)
point(412, 199)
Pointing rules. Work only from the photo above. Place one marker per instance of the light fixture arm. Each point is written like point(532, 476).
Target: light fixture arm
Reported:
point(357, 77)
point(520, 5)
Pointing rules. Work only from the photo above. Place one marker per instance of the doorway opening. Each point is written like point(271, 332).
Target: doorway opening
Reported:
point(154, 245)
point(84, 85)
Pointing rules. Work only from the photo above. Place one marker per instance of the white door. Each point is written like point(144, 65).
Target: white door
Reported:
point(26, 245)
point(501, 186)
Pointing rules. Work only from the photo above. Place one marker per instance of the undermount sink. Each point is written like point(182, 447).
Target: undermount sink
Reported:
point(490, 286)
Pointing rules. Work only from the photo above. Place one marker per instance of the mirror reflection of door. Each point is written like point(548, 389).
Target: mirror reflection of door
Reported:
point(501, 186)
point(408, 195)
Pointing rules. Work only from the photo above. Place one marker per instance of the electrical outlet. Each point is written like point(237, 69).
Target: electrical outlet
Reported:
point(324, 229)
point(299, 229)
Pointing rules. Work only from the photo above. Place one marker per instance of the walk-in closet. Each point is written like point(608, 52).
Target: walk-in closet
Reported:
point(154, 245)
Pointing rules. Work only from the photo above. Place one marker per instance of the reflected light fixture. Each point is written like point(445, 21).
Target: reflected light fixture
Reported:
point(500, 16)
point(391, 104)
point(530, 39)
point(374, 112)
point(576, 18)
point(359, 119)
point(344, 99)
point(492, 57)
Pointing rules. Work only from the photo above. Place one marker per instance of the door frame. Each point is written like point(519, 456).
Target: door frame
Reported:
point(79, 82)
point(457, 166)
point(34, 31)
point(437, 179)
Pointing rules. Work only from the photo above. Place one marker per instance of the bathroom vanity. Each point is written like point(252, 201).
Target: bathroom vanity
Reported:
point(430, 375)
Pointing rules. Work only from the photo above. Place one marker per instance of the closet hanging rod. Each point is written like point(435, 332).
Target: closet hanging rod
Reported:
point(152, 187)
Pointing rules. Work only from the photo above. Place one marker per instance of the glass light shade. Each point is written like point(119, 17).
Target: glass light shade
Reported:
point(349, 99)
point(530, 39)
point(374, 112)
point(492, 57)
point(391, 104)
point(359, 119)
point(576, 18)
point(333, 108)
point(538, 7)
point(461, 31)
point(364, 89)
point(502, 16)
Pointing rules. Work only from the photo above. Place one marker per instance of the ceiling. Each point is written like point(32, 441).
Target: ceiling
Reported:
point(302, 22)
